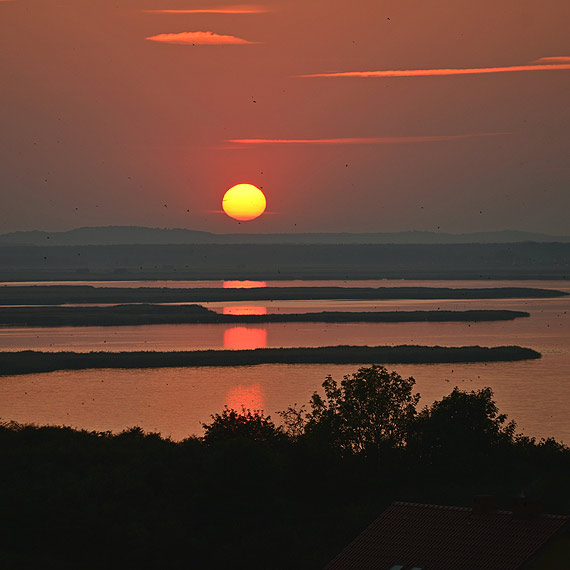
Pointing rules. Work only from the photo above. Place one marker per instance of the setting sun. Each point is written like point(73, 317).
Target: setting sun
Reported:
point(244, 202)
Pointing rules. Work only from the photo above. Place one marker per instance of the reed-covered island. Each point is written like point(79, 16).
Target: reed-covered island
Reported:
point(28, 361)
point(61, 294)
point(147, 314)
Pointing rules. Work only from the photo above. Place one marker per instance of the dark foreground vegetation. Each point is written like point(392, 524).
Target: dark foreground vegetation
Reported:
point(251, 494)
point(143, 314)
point(61, 294)
point(28, 361)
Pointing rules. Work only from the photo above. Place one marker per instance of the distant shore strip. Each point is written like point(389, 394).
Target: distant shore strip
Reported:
point(143, 314)
point(29, 362)
point(60, 294)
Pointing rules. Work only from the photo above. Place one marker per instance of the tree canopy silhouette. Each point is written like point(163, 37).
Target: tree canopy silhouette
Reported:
point(461, 423)
point(247, 424)
point(369, 409)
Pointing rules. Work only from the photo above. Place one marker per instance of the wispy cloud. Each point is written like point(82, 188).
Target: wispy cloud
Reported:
point(362, 140)
point(241, 9)
point(554, 59)
point(199, 38)
point(542, 64)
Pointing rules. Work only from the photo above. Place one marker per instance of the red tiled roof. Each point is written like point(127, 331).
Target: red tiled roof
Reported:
point(447, 538)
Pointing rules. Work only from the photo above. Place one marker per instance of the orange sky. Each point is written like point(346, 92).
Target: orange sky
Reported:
point(352, 116)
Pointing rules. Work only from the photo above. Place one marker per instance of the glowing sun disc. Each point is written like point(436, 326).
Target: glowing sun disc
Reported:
point(244, 202)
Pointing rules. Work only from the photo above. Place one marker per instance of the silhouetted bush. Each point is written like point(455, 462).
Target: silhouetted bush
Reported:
point(231, 424)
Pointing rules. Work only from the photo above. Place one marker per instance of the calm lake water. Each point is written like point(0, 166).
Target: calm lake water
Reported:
point(174, 401)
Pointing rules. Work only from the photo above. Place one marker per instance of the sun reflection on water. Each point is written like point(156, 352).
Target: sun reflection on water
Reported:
point(245, 338)
point(243, 284)
point(245, 397)
point(245, 310)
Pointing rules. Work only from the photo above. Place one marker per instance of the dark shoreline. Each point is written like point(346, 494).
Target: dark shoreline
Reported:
point(28, 362)
point(518, 260)
point(61, 294)
point(132, 315)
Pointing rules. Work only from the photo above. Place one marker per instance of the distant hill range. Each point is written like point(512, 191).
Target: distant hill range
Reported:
point(134, 235)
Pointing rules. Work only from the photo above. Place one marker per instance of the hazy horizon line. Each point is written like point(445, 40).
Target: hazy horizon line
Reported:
point(158, 228)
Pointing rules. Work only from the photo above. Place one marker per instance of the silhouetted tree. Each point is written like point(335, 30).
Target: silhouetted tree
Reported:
point(371, 408)
point(461, 423)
